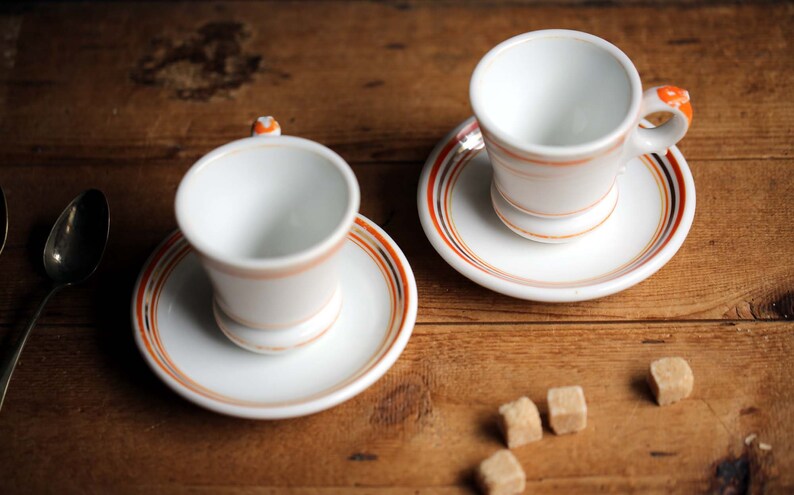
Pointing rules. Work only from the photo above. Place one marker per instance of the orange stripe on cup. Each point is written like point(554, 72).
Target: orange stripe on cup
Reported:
point(274, 326)
point(541, 214)
point(538, 160)
point(249, 345)
point(269, 274)
point(541, 236)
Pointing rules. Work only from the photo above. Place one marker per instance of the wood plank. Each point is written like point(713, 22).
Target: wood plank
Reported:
point(377, 82)
point(604, 484)
point(84, 412)
point(125, 97)
point(734, 265)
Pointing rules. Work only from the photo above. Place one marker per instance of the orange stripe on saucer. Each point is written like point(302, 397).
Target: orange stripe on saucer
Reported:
point(441, 192)
point(440, 160)
point(147, 302)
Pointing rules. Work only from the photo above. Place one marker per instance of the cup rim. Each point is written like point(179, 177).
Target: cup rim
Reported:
point(303, 256)
point(556, 150)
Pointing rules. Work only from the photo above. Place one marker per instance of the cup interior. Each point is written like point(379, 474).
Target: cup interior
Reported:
point(268, 200)
point(554, 90)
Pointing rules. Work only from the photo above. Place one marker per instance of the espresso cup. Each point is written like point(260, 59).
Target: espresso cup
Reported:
point(559, 113)
point(267, 216)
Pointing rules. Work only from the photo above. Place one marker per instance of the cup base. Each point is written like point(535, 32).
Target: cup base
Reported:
point(280, 340)
point(553, 230)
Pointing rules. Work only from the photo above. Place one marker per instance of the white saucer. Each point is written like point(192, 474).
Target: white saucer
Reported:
point(172, 314)
point(650, 222)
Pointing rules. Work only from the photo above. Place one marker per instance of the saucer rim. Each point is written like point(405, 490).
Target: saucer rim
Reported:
point(313, 405)
point(554, 294)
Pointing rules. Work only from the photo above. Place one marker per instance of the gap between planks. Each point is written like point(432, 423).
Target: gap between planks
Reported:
point(725, 322)
point(601, 323)
point(155, 162)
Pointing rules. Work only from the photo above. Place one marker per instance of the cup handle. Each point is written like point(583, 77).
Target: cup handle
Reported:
point(265, 126)
point(668, 99)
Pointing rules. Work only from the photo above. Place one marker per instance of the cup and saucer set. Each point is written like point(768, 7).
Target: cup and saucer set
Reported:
point(277, 299)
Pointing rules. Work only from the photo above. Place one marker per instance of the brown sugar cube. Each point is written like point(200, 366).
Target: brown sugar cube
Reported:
point(670, 379)
point(520, 422)
point(501, 474)
point(567, 409)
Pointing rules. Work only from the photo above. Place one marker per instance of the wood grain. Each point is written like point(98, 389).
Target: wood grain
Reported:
point(732, 266)
point(425, 424)
point(374, 82)
point(125, 97)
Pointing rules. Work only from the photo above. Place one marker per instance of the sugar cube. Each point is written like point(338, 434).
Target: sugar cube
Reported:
point(567, 409)
point(670, 379)
point(520, 422)
point(501, 474)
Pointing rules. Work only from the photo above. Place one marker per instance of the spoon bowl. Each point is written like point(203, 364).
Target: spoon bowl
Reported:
point(72, 253)
point(78, 238)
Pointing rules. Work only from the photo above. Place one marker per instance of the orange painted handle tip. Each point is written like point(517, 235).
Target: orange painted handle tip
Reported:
point(265, 126)
point(676, 98)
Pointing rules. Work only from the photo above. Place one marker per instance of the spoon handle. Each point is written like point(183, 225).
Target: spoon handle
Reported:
point(10, 360)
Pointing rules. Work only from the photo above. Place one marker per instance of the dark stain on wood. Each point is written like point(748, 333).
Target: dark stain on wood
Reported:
point(400, 5)
point(659, 453)
point(395, 46)
point(732, 476)
point(362, 456)
point(374, 84)
point(653, 341)
point(405, 401)
point(598, 3)
point(778, 305)
point(207, 63)
point(684, 41)
point(783, 306)
point(748, 410)
point(743, 475)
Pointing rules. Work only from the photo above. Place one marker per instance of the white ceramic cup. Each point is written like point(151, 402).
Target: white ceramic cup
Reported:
point(267, 216)
point(559, 112)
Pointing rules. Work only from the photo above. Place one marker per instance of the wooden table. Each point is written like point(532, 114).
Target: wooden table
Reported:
point(126, 97)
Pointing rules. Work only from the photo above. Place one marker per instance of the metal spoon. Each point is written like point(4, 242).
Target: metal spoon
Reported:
point(72, 253)
point(4, 219)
